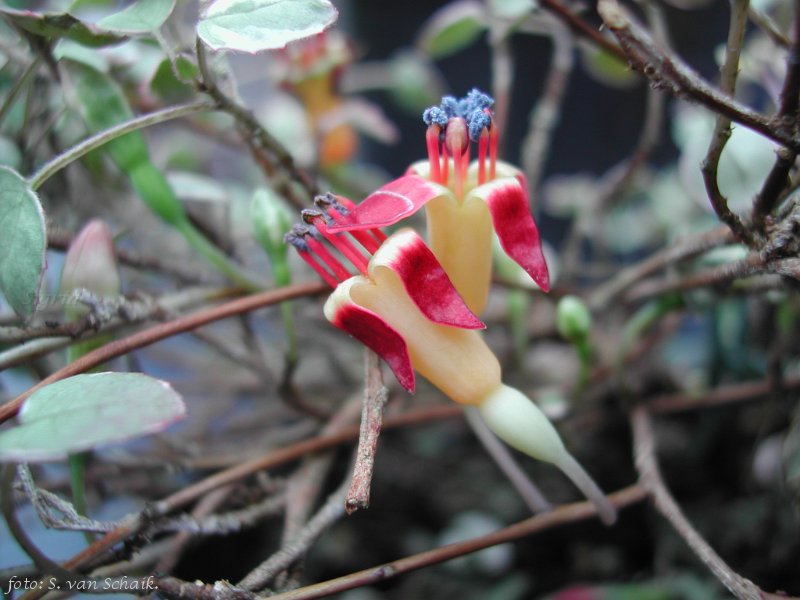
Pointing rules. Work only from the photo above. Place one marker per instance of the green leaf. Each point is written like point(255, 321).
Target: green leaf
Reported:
point(257, 25)
point(142, 16)
point(607, 68)
point(24, 238)
point(452, 28)
point(86, 411)
point(168, 86)
point(59, 25)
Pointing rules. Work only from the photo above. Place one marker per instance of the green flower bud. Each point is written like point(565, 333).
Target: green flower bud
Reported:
point(573, 319)
point(270, 221)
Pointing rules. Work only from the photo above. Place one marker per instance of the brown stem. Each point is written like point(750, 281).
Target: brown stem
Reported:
point(582, 28)
point(778, 179)
point(666, 70)
point(568, 513)
point(651, 480)
point(375, 395)
point(681, 250)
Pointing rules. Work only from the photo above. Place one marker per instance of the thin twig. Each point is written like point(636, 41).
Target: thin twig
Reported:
point(686, 248)
point(651, 480)
point(136, 523)
point(179, 300)
point(582, 28)
point(103, 137)
point(266, 149)
point(778, 179)
point(163, 331)
point(545, 115)
point(568, 513)
point(753, 264)
point(375, 395)
point(305, 483)
point(329, 513)
point(205, 507)
point(665, 69)
point(526, 488)
point(722, 127)
point(722, 395)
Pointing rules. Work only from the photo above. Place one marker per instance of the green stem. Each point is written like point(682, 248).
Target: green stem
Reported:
point(283, 277)
point(216, 257)
point(19, 85)
point(77, 481)
point(103, 137)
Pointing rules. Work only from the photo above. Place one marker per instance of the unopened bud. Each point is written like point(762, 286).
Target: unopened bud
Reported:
point(91, 262)
point(573, 319)
point(517, 421)
point(270, 221)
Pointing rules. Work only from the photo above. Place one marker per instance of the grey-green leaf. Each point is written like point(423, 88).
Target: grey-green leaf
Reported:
point(59, 25)
point(143, 16)
point(86, 411)
point(24, 238)
point(452, 28)
point(257, 25)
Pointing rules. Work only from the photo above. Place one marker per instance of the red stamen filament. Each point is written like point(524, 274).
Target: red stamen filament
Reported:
point(445, 166)
point(483, 146)
point(330, 261)
point(368, 242)
point(460, 166)
point(350, 205)
point(432, 141)
point(494, 136)
point(343, 245)
point(320, 270)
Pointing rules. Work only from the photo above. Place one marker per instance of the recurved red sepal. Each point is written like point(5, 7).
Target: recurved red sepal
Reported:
point(426, 282)
point(396, 200)
point(516, 229)
point(380, 337)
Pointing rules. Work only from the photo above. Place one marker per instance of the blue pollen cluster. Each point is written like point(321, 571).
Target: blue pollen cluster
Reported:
point(471, 108)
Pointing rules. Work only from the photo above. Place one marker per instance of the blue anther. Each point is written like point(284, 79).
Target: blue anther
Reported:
point(434, 115)
point(479, 121)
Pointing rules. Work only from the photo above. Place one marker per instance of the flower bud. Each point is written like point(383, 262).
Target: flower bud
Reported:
point(516, 420)
point(573, 319)
point(270, 222)
point(91, 262)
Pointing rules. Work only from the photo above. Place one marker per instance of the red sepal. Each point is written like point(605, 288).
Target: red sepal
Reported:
point(426, 282)
point(516, 229)
point(380, 337)
point(393, 202)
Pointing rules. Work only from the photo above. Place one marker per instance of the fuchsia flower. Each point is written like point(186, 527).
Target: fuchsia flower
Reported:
point(415, 306)
point(464, 202)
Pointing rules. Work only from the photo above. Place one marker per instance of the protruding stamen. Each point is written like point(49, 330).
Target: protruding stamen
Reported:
point(336, 210)
point(445, 168)
point(483, 148)
point(432, 142)
point(296, 238)
point(340, 242)
point(330, 261)
point(494, 136)
point(350, 206)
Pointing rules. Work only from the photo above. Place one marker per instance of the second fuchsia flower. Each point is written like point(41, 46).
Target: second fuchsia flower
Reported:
point(416, 306)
